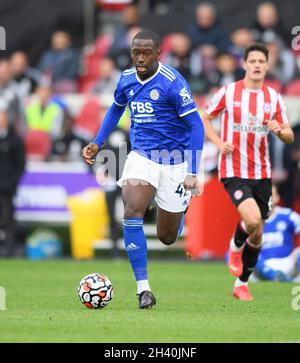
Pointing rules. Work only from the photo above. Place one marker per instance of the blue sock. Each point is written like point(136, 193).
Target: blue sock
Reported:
point(136, 246)
point(181, 226)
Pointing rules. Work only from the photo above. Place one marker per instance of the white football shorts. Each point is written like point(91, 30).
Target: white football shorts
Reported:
point(284, 264)
point(166, 179)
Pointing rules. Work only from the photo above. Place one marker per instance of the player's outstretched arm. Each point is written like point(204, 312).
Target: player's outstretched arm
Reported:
point(109, 123)
point(224, 147)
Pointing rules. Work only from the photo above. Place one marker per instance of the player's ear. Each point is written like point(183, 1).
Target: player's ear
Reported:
point(158, 51)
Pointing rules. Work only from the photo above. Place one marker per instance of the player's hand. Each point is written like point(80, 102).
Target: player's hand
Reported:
point(89, 152)
point(191, 182)
point(274, 126)
point(226, 148)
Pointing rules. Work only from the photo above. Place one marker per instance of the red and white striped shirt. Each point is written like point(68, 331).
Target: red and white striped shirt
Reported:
point(244, 117)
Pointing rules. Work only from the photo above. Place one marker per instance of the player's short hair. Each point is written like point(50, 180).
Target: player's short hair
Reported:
point(148, 35)
point(256, 47)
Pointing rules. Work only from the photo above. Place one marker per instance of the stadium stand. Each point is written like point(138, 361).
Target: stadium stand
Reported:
point(82, 75)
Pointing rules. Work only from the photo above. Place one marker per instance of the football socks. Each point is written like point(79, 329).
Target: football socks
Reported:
point(240, 235)
point(250, 257)
point(180, 226)
point(136, 246)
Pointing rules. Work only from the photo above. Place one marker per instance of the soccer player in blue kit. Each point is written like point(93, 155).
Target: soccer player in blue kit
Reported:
point(279, 260)
point(166, 137)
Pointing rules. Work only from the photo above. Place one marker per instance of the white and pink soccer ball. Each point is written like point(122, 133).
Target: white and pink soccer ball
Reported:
point(95, 291)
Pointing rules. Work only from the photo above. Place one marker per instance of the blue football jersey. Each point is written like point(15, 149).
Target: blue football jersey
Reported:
point(278, 233)
point(157, 106)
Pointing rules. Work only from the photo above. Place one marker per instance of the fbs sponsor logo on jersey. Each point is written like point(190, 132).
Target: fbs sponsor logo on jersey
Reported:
point(141, 108)
point(186, 96)
point(142, 112)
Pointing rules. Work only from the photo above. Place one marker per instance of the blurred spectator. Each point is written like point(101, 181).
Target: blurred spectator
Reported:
point(292, 162)
point(117, 143)
point(203, 65)
point(26, 77)
point(282, 64)
point(162, 7)
point(120, 53)
point(241, 38)
point(61, 63)
point(286, 168)
point(179, 55)
point(88, 119)
point(280, 174)
point(228, 70)
point(68, 146)
point(12, 163)
point(211, 152)
point(268, 24)
point(9, 97)
point(115, 16)
point(43, 114)
point(108, 77)
point(207, 31)
point(130, 19)
point(293, 87)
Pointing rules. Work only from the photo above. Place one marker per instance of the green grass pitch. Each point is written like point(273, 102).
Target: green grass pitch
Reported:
point(194, 305)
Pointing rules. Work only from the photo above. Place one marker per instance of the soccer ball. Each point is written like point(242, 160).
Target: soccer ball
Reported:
point(95, 291)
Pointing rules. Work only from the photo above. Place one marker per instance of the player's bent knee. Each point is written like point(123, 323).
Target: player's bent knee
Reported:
point(133, 213)
point(256, 240)
point(133, 210)
point(252, 225)
point(166, 239)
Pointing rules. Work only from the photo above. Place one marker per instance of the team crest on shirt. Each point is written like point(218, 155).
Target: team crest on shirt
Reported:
point(267, 107)
point(154, 94)
point(238, 194)
point(281, 226)
point(252, 119)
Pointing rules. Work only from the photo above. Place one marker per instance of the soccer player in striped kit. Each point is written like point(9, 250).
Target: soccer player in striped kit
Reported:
point(250, 111)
